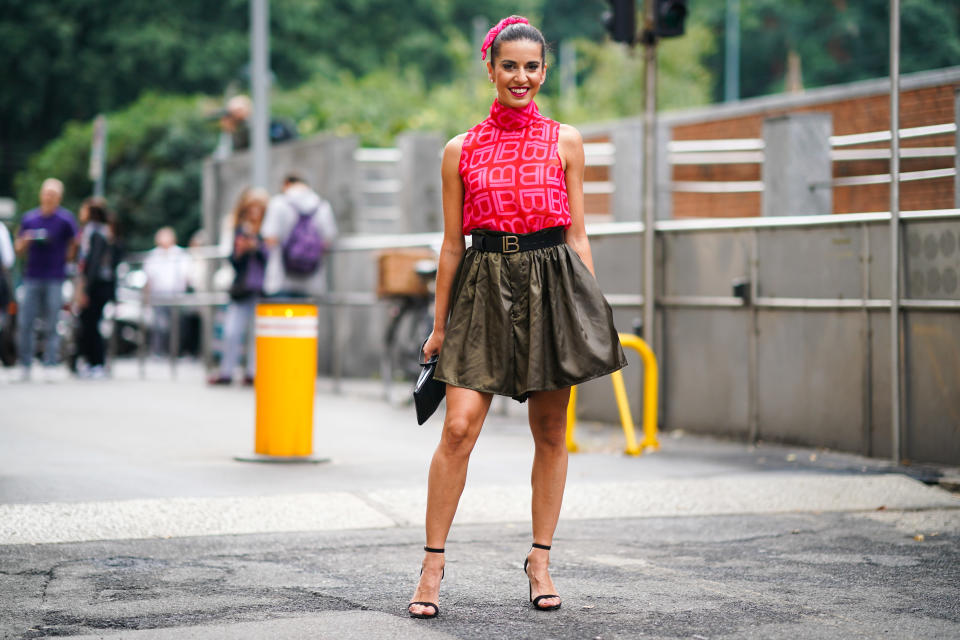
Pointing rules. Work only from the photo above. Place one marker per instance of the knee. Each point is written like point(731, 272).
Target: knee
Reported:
point(550, 431)
point(459, 435)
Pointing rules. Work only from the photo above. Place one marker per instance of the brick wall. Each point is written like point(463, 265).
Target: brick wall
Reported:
point(928, 105)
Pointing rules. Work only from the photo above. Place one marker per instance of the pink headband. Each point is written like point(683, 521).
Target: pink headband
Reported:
point(493, 33)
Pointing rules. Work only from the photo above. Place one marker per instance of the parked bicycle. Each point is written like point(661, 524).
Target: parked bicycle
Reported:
point(411, 313)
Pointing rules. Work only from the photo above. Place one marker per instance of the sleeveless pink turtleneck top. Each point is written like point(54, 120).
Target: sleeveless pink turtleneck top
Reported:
point(512, 175)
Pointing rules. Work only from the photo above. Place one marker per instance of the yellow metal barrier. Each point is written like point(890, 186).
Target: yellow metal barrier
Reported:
point(650, 381)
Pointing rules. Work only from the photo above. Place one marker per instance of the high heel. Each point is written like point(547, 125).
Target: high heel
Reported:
point(535, 602)
point(436, 609)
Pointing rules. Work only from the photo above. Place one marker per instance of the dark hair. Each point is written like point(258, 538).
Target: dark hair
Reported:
point(293, 178)
point(97, 209)
point(518, 31)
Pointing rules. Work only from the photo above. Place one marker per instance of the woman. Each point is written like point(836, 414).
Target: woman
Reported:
point(96, 281)
point(249, 258)
point(519, 313)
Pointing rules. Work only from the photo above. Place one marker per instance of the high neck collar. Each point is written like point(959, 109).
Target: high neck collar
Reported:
point(511, 119)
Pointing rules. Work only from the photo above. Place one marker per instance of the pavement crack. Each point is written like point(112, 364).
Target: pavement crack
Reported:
point(382, 508)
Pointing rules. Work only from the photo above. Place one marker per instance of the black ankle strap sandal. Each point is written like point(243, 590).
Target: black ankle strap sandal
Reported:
point(535, 602)
point(436, 609)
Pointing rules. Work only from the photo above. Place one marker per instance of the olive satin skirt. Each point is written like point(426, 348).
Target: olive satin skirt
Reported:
point(528, 321)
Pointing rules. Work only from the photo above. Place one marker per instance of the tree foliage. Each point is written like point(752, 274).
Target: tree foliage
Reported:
point(837, 40)
point(68, 61)
point(154, 165)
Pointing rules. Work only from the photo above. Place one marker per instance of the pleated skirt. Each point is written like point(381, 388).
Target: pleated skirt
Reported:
point(528, 321)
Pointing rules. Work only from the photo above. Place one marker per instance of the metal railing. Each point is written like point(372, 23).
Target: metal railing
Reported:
point(751, 151)
point(650, 402)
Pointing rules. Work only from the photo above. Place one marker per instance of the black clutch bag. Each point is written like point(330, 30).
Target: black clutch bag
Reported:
point(427, 393)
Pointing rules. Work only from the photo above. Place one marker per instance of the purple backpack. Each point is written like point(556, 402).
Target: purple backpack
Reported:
point(303, 248)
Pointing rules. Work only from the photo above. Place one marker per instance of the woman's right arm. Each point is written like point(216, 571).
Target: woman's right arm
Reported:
point(453, 243)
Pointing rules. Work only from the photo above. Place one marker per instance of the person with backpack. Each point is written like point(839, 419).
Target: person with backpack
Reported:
point(248, 256)
point(96, 281)
point(298, 229)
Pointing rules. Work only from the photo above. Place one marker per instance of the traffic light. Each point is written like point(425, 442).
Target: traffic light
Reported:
point(668, 17)
point(621, 20)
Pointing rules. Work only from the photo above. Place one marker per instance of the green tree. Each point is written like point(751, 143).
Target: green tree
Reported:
point(837, 41)
point(68, 61)
point(154, 165)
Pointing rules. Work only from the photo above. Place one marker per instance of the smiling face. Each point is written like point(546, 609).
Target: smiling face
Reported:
point(518, 71)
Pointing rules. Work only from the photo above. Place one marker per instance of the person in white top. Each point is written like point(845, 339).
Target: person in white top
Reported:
point(7, 255)
point(7, 258)
point(168, 268)
point(281, 218)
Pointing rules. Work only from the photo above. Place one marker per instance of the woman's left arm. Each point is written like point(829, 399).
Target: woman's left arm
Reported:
point(571, 153)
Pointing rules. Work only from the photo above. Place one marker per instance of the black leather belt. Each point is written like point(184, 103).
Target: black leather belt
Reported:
point(496, 242)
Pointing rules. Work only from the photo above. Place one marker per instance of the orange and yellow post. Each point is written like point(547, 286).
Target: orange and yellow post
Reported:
point(285, 383)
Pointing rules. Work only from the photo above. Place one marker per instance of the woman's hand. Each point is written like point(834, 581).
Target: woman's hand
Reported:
point(433, 345)
point(244, 244)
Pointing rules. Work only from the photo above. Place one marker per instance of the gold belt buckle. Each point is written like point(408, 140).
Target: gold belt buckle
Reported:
point(511, 244)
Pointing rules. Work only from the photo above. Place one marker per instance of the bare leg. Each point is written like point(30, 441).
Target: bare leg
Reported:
point(466, 410)
point(548, 423)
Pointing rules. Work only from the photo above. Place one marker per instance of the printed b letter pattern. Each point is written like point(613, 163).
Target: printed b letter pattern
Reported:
point(512, 176)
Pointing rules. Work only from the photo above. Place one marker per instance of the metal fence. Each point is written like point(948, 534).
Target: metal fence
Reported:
point(769, 328)
point(799, 352)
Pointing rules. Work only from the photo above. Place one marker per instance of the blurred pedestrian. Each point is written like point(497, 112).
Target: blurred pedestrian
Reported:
point(168, 270)
point(198, 281)
point(99, 256)
point(298, 228)
point(520, 313)
point(249, 260)
point(7, 258)
point(47, 239)
point(235, 127)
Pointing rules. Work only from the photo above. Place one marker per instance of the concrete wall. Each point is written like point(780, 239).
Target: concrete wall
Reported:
point(326, 162)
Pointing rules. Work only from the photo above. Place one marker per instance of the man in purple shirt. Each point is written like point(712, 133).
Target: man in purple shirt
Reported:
point(47, 237)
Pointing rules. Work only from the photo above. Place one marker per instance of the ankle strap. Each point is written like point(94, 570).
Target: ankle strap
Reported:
point(545, 547)
point(432, 550)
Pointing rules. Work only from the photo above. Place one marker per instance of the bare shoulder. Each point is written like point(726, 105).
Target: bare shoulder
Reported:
point(451, 152)
point(569, 135)
point(455, 144)
point(570, 144)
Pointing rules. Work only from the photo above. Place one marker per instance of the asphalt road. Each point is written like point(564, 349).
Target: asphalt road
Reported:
point(123, 514)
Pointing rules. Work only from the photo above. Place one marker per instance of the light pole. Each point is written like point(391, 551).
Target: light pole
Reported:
point(649, 40)
point(896, 382)
point(260, 80)
point(731, 53)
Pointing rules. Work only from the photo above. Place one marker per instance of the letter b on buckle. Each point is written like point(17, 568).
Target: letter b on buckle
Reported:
point(511, 244)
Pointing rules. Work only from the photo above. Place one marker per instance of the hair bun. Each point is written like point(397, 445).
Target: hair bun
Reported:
point(495, 31)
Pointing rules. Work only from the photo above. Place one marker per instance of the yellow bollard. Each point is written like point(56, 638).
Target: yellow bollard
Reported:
point(626, 418)
point(286, 338)
point(650, 382)
point(572, 446)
